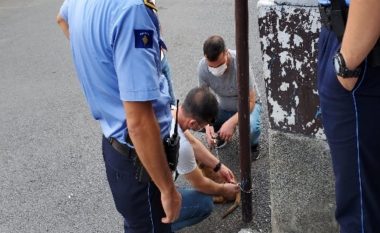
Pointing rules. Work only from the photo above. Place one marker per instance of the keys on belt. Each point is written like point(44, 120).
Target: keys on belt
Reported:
point(325, 13)
point(334, 19)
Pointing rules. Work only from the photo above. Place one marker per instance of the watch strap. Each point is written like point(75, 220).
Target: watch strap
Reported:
point(217, 167)
point(343, 71)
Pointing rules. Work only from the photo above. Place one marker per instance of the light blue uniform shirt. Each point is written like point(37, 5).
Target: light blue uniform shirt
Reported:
point(327, 2)
point(115, 46)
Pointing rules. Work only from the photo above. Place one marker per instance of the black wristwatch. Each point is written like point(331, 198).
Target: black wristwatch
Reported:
point(341, 68)
point(217, 167)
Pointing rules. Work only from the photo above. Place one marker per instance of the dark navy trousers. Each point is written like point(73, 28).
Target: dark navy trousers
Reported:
point(351, 121)
point(139, 203)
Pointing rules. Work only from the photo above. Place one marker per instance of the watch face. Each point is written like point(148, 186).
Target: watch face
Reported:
point(341, 69)
point(336, 63)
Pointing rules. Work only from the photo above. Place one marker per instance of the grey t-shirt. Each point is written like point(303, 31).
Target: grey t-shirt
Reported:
point(225, 87)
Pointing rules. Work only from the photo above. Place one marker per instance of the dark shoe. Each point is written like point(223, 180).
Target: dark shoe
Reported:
point(255, 152)
point(220, 143)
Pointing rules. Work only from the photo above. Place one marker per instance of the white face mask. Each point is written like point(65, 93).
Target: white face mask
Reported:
point(218, 71)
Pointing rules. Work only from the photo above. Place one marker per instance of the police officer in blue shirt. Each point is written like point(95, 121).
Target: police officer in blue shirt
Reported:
point(116, 50)
point(349, 90)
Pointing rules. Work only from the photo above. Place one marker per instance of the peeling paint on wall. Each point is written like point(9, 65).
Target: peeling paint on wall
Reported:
point(288, 36)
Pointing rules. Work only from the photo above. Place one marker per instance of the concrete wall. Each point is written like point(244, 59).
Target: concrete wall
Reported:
point(288, 39)
point(302, 183)
point(302, 196)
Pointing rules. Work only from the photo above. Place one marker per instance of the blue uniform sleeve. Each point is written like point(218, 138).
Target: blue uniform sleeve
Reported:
point(135, 44)
point(328, 2)
point(63, 11)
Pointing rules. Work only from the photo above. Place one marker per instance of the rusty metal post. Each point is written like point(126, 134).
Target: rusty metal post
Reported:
point(241, 19)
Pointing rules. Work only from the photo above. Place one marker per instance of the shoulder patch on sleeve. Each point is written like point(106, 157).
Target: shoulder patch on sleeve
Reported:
point(143, 38)
point(150, 4)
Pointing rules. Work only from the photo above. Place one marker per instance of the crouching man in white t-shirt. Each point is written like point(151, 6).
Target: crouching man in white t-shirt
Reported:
point(199, 109)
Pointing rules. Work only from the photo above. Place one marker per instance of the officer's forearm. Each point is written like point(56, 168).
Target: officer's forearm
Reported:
point(145, 134)
point(63, 25)
point(362, 31)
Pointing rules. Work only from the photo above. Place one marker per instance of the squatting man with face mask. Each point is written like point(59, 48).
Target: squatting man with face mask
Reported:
point(199, 109)
point(217, 71)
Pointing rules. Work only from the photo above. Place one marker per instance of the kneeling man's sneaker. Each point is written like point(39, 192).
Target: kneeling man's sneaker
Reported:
point(255, 152)
point(219, 143)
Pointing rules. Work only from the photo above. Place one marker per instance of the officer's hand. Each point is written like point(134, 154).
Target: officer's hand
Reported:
point(227, 130)
point(227, 174)
point(348, 83)
point(230, 191)
point(171, 202)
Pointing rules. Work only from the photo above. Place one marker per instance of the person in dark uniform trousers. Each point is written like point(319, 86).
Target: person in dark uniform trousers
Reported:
point(116, 51)
point(349, 90)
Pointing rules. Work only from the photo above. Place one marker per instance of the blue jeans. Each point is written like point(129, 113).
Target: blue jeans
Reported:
point(195, 208)
point(254, 121)
point(165, 68)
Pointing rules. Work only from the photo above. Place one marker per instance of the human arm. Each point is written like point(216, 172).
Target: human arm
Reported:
point(62, 18)
point(203, 82)
point(203, 155)
point(63, 25)
point(202, 71)
point(361, 33)
point(208, 186)
point(142, 128)
point(228, 128)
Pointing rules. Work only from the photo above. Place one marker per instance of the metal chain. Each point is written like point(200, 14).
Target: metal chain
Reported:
point(241, 188)
point(217, 152)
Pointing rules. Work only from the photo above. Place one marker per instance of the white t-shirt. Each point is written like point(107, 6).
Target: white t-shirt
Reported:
point(186, 158)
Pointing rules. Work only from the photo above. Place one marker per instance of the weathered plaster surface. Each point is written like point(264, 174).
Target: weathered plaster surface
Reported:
point(297, 2)
point(289, 36)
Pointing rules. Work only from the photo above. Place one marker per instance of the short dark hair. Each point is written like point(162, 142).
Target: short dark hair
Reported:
point(213, 47)
point(201, 104)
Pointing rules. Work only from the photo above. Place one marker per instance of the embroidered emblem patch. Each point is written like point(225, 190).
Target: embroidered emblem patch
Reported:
point(143, 38)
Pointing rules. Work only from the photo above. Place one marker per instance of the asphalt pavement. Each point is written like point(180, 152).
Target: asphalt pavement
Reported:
point(52, 176)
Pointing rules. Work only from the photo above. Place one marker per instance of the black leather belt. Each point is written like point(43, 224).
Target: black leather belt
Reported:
point(121, 148)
